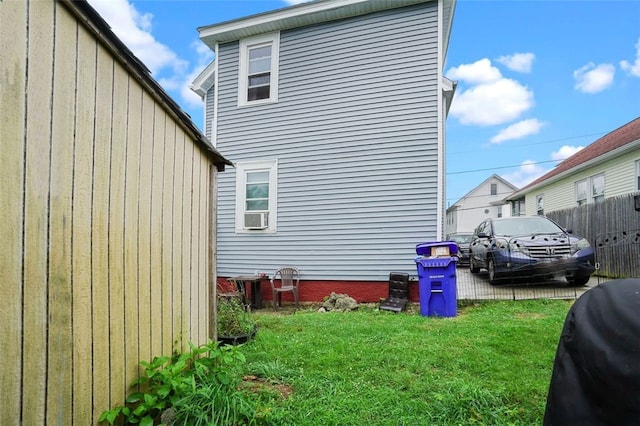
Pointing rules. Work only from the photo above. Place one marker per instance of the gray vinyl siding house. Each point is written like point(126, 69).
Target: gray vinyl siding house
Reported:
point(352, 138)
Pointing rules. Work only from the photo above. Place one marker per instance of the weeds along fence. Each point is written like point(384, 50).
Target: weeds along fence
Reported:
point(613, 229)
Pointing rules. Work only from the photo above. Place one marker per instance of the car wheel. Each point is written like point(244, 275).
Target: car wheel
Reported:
point(493, 276)
point(579, 280)
point(472, 266)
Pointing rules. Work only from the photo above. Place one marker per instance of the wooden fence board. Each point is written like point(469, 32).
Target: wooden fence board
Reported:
point(100, 228)
point(117, 184)
point(81, 252)
point(178, 255)
point(131, 247)
point(167, 237)
point(38, 140)
point(156, 232)
point(13, 53)
point(144, 227)
point(60, 361)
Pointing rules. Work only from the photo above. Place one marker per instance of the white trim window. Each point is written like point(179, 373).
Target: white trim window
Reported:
point(256, 196)
point(258, 72)
point(590, 190)
point(637, 175)
point(540, 205)
point(597, 188)
point(582, 192)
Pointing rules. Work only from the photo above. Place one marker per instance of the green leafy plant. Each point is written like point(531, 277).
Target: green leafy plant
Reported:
point(170, 381)
point(233, 319)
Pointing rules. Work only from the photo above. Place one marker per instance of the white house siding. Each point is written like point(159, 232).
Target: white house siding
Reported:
point(355, 136)
point(619, 179)
point(478, 205)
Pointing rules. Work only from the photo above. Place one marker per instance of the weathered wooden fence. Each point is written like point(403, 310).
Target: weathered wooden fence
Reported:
point(105, 217)
point(613, 229)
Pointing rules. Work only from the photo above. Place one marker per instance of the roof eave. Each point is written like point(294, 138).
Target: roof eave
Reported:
point(604, 157)
point(205, 80)
point(293, 17)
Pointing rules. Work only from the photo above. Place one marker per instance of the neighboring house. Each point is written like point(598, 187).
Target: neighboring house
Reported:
point(333, 113)
point(105, 213)
point(483, 202)
point(608, 167)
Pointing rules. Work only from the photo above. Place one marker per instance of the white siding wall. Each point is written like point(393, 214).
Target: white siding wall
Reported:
point(619, 179)
point(355, 135)
point(479, 205)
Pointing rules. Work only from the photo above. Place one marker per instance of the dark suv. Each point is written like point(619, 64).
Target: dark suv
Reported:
point(462, 239)
point(532, 247)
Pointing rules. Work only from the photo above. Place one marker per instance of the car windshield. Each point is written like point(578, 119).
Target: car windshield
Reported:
point(528, 226)
point(462, 238)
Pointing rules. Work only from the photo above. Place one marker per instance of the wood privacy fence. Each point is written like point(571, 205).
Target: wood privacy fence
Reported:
point(106, 213)
point(613, 229)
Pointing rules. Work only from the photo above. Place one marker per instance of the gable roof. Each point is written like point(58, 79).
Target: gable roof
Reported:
point(492, 177)
point(102, 31)
point(610, 145)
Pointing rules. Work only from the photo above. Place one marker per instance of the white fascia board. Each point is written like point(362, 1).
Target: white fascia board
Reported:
point(295, 16)
point(204, 80)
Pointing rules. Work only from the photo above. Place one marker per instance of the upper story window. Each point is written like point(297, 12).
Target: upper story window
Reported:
point(258, 70)
point(494, 189)
point(637, 175)
point(590, 190)
point(540, 205)
point(256, 193)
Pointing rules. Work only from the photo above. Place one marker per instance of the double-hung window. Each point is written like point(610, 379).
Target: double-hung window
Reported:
point(258, 69)
point(256, 193)
point(590, 190)
point(637, 175)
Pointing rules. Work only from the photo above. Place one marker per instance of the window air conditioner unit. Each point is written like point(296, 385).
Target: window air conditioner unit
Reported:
point(256, 220)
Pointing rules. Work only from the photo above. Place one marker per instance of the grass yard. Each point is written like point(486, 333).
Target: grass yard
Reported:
point(489, 365)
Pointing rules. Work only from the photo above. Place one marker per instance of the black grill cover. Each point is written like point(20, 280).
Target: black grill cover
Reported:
point(596, 372)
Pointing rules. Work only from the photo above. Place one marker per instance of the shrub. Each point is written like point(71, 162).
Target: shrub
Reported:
point(182, 382)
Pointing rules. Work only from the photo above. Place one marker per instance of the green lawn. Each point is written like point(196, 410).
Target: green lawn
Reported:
point(491, 365)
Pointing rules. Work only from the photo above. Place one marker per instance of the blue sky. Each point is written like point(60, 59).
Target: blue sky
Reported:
point(537, 80)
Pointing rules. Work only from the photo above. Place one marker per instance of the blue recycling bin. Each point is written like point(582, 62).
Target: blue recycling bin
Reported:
point(436, 263)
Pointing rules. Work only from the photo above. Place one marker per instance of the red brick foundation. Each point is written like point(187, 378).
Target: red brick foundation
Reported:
point(316, 291)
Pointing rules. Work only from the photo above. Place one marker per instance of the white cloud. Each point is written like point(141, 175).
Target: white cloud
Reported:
point(565, 152)
point(520, 62)
point(593, 79)
point(134, 29)
point(518, 130)
point(527, 173)
point(477, 73)
point(633, 68)
point(492, 103)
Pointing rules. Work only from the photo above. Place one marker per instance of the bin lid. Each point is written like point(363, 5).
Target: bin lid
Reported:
point(425, 249)
point(435, 262)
